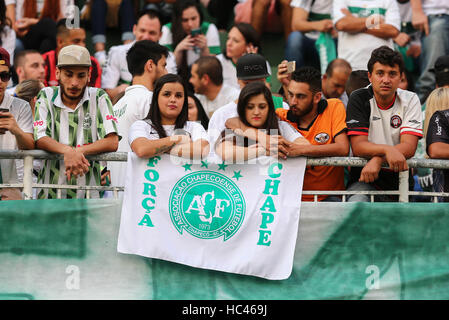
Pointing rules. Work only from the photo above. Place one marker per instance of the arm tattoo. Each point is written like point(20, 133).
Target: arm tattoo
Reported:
point(165, 148)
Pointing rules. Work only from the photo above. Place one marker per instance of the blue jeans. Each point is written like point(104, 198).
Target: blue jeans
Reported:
point(434, 45)
point(302, 49)
point(98, 20)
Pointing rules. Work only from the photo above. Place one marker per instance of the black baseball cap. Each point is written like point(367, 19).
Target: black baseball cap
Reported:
point(441, 65)
point(252, 66)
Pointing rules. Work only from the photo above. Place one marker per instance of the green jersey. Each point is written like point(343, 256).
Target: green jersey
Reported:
point(91, 120)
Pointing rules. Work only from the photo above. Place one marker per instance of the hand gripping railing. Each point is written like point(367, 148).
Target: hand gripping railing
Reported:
point(29, 155)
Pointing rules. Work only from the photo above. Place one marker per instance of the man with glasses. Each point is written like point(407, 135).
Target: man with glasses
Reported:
point(16, 128)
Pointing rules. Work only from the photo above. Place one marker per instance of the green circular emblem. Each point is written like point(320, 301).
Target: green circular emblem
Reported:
point(207, 205)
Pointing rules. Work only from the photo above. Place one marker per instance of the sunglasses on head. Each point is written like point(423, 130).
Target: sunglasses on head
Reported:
point(5, 76)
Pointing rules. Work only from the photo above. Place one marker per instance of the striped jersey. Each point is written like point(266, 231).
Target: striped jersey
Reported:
point(90, 121)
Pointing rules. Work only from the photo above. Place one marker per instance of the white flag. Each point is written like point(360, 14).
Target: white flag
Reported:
point(239, 218)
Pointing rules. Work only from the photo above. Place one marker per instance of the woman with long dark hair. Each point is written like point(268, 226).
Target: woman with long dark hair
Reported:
point(188, 36)
point(196, 111)
point(257, 128)
point(242, 39)
point(166, 129)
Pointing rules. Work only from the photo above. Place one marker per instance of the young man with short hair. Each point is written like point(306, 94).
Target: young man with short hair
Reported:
point(116, 76)
point(74, 120)
point(207, 81)
point(64, 37)
point(28, 64)
point(384, 125)
point(357, 79)
point(147, 63)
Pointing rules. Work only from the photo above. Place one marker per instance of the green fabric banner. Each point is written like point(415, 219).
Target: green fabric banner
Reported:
point(67, 249)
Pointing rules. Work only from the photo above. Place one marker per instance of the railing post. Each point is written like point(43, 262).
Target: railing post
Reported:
point(403, 186)
point(28, 177)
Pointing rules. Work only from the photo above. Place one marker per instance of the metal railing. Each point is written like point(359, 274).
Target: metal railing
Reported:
point(403, 192)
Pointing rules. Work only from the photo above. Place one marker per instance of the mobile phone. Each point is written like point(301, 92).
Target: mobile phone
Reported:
point(195, 32)
point(108, 182)
point(291, 66)
point(3, 110)
point(2, 131)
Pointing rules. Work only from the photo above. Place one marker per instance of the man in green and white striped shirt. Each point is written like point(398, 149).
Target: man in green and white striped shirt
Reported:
point(74, 120)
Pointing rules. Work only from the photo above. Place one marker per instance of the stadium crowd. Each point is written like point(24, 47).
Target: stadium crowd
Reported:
point(359, 78)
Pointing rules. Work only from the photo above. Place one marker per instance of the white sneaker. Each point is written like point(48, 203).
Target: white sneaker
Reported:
point(101, 57)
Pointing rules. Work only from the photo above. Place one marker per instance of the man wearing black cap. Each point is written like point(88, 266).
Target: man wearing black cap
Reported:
point(74, 120)
point(16, 125)
point(441, 71)
point(250, 68)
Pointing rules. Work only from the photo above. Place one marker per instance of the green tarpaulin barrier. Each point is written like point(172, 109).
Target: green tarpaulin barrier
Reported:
point(66, 249)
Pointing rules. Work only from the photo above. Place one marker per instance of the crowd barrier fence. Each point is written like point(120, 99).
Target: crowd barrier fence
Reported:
point(403, 191)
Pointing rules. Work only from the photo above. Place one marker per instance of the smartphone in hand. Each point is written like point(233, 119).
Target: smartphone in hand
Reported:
point(291, 66)
point(195, 32)
point(2, 131)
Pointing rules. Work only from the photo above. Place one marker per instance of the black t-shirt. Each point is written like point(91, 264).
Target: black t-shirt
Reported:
point(438, 131)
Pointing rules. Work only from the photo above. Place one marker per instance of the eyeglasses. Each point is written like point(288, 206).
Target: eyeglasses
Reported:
point(5, 76)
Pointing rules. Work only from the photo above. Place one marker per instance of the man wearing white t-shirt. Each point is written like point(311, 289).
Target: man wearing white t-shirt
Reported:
point(363, 26)
point(116, 77)
point(147, 63)
point(16, 128)
point(432, 18)
point(207, 81)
